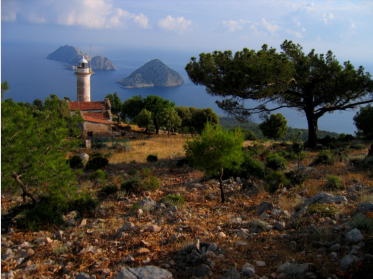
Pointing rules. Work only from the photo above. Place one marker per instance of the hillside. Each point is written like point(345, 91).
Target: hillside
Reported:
point(153, 73)
point(232, 123)
point(72, 55)
point(294, 232)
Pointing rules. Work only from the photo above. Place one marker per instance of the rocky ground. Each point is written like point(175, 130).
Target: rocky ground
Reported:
point(253, 235)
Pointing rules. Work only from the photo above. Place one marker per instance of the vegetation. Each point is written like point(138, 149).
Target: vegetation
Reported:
point(312, 83)
point(215, 150)
point(172, 199)
point(169, 118)
point(333, 182)
point(144, 119)
point(275, 180)
point(152, 158)
point(274, 127)
point(363, 121)
point(324, 210)
point(116, 105)
point(275, 162)
point(96, 162)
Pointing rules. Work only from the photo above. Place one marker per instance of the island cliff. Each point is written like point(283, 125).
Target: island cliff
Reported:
point(72, 55)
point(153, 73)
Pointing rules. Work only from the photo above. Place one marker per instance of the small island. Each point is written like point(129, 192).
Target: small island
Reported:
point(72, 55)
point(153, 73)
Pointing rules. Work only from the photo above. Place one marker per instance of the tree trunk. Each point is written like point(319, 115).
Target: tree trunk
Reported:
point(312, 129)
point(221, 185)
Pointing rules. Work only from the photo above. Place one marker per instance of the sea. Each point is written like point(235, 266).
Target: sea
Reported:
point(31, 76)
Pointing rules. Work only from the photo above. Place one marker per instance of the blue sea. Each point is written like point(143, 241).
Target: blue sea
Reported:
point(31, 76)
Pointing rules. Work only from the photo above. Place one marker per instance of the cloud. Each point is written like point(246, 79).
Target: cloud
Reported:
point(295, 33)
point(97, 14)
point(174, 24)
point(271, 27)
point(232, 25)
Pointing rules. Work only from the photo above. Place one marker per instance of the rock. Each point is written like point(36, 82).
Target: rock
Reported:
point(82, 275)
point(7, 255)
point(248, 270)
point(142, 251)
point(84, 156)
point(128, 259)
point(365, 207)
point(212, 247)
point(348, 261)
point(241, 243)
point(260, 263)
point(298, 269)
point(127, 227)
point(173, 208)
point(201, 271)
point(58, 234)
point(153, 73)
point(139, 212)
point(235, 222)
point(322, 198)
point(368, 257)
point(358, 187)
point(83, 223)
point(232, 274)
point(293, 245)
point(92, 250)
point(335, 247)
point(147, 203)
point(243, 233)
point(264, 206)
point(279, 226)
point(354, 236)
point(221, 235)
point(154, 228)
point(144, 272)
point(333, 256)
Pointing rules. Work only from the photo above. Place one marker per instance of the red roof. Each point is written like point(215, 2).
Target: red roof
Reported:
point(96, 120)
point(99, 115)
point(97, 105)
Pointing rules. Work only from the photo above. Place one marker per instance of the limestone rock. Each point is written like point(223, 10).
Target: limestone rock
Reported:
point(248, 270)
point(144, 272)
point(348, 261)
point(264, 206)
point(365, 207)
point(354, 236)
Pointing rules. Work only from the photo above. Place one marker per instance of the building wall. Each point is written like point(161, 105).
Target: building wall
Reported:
point(97, 129)
point(83, 87)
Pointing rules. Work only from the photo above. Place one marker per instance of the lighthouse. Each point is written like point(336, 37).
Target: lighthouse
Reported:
point(83, 75)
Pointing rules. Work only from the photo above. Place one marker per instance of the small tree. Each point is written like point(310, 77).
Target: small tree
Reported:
point(201, 116)
point(169, 118)
point(144, 119)
point(216, 150)
point(116, 104)
point(274, 127)
point(363, 122)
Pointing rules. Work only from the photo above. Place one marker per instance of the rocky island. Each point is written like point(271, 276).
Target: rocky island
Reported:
point(153, 73)
point(72, 55)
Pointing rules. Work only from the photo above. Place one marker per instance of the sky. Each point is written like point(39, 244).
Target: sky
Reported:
point(345, 27)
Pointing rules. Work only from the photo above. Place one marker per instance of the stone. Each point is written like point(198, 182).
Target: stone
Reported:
point(358, 186)
point(154, 228)
point(201, 271)
point(279, 226)
point(92, 250)
point(248, 270)
point(243, 233)
point(365, 207)
point(333, 256)
point(127, 227)
point(322, 198)
point(142, 251)
point(7, 255)
point(235, 222)
point(83, 223)
point(144, 272)
point(84, 156)
point(139, 212)
point(128, 259)
point(58, 234)
point(221, 235)
point(82, 275)
point(335, 247)
point(354, 236)
point(260, 263)
point(173, 208)
point(348, 261)
point(264, 206)
point(241, 243)
point(232, 274)
point(212, 247)
point(147, 203)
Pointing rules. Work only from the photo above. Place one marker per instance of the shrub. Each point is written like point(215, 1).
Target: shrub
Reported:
point(172, 199)
point(275, 162)
point(357, 146)
point(249, 135)
point(145, 172)
point(151, 183)
point(96, 162)
point(333, 182)
point(325, 210)
point(75, 162)
point(251, 167)
point(254, 149)
point(61, 249)
point(362, 223)
point(297, 178)
point(98, 174)
point(83, 205)
point(132, 171)
point(134, 207)
point(152, 158)
point(323, 158)
point(109, 155)
point(327, 140)
point(106, 191)
point(265, 153)
point(132, 185)
point(275, 180)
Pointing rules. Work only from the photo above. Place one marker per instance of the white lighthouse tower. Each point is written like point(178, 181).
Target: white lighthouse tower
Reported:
point(83, 88)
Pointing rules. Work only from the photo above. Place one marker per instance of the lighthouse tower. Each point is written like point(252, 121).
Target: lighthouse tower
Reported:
point(83, 75)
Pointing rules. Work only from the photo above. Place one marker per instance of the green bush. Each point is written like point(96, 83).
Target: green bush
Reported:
point(249, 135)
point(357, 146)
point(152, 158)
point(275, 162)
point(75, 162)
point(275, 180)
point(151, 183)
point(132, 171)
point(106, 191)
point(254, 149)
point(324, 210)
point(333, 182)
point(172, 199)
point(249, 168)
point(83, 205)
point(109, 155)
point(297, 178)
point(265, 153)
point(324, 158)
point(96, 162)
point(132, 185)
point(362, 223)
point(98, 174)
point(146, 172)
